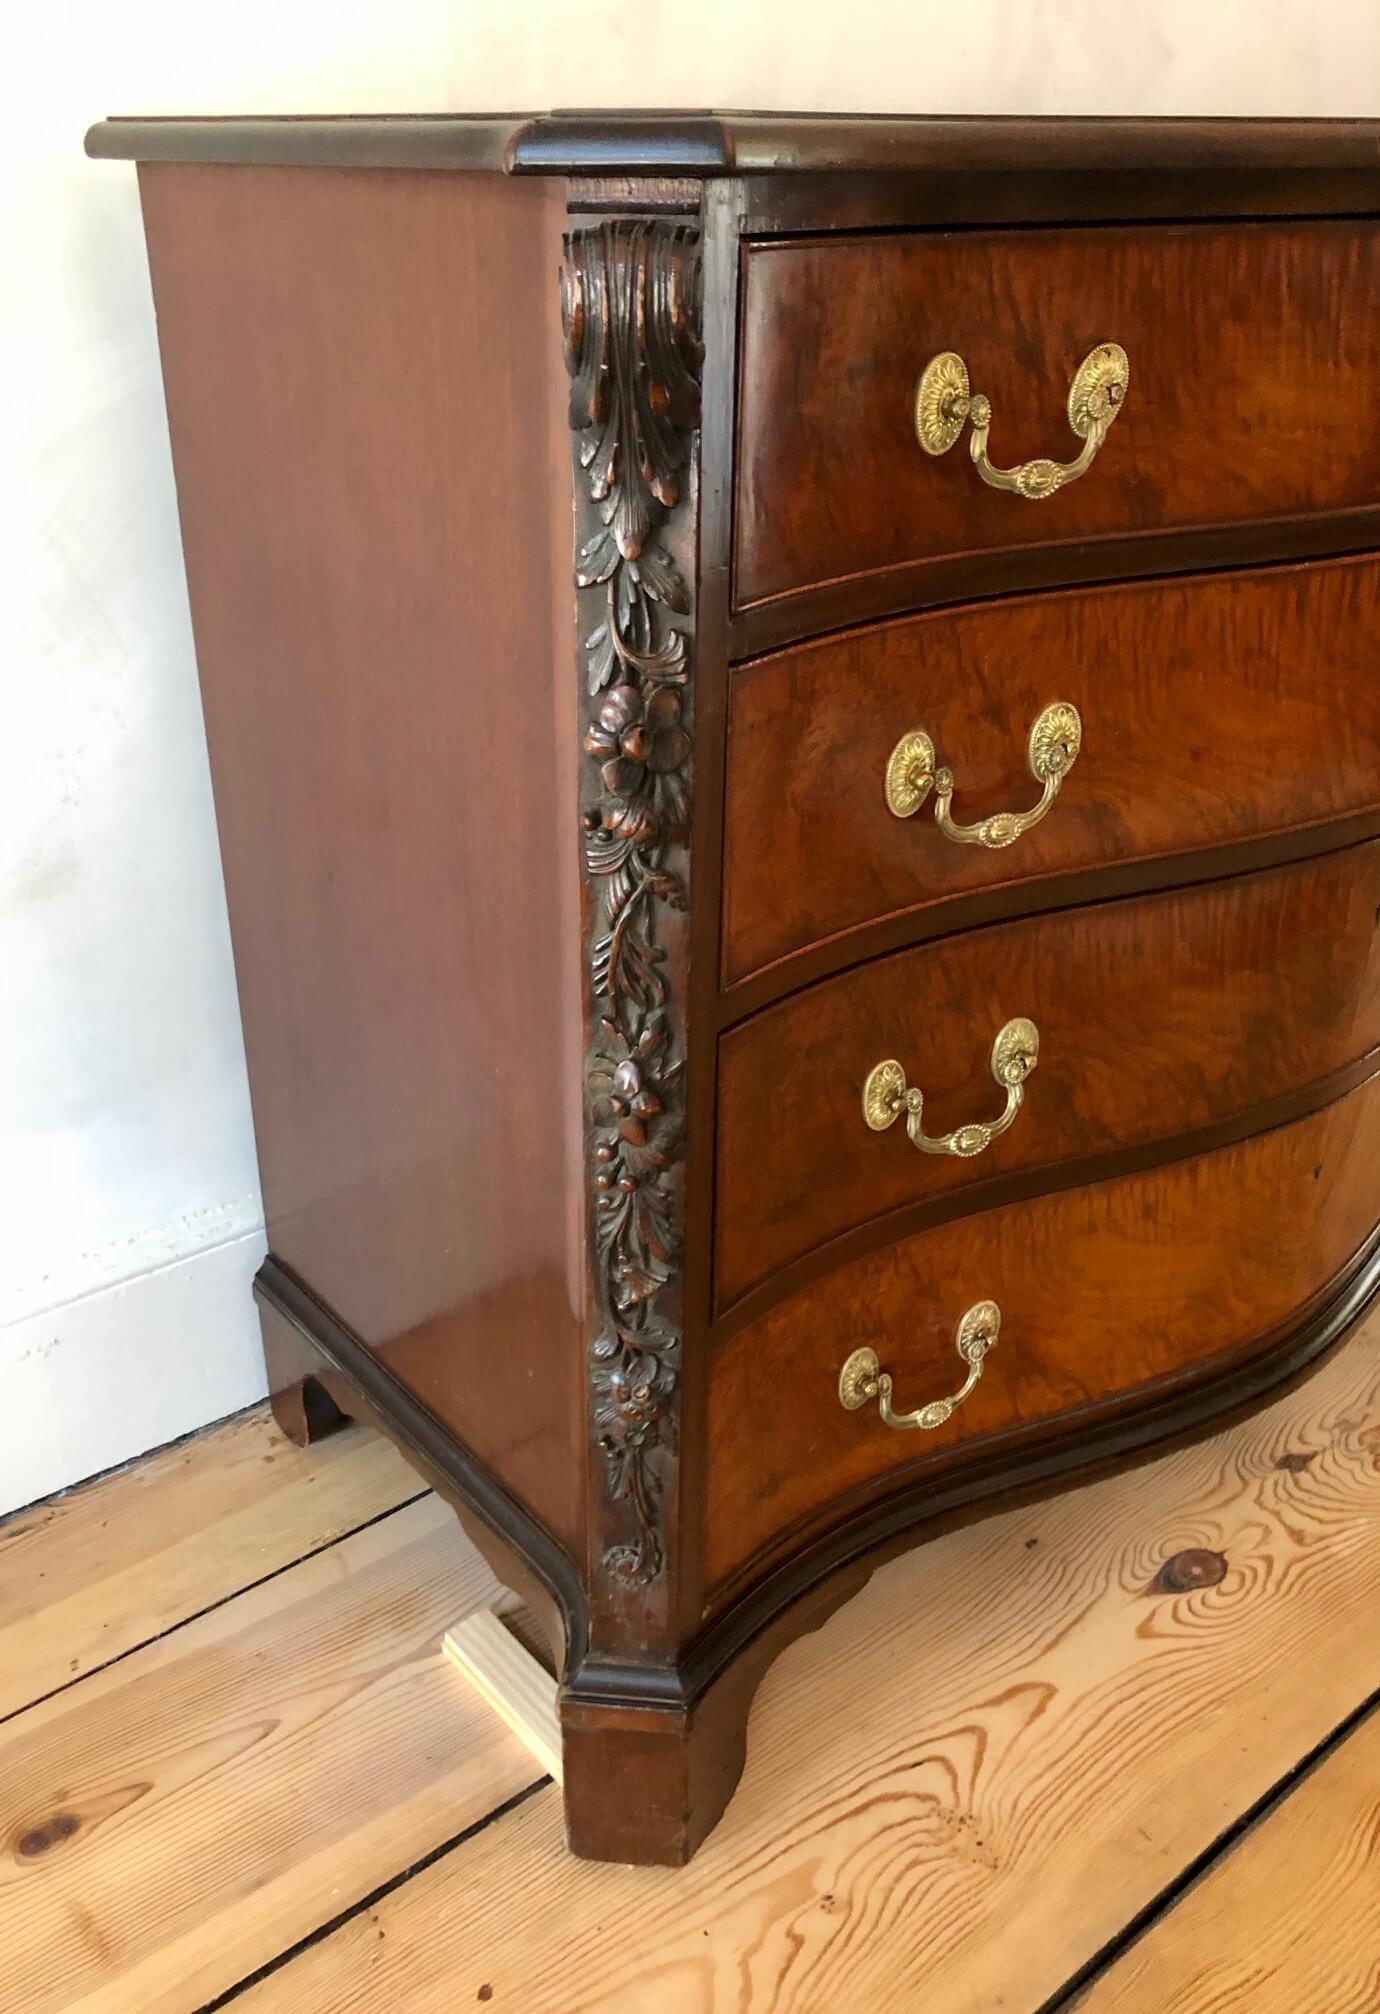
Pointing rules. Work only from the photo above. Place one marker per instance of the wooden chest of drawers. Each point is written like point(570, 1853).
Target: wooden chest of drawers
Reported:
point(849, 989)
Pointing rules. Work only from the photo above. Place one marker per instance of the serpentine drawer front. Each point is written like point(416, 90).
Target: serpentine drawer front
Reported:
point(1232, 401)
point(1106, 1294)
point(1213, 710)
point(844, 982)
point(1158, 1017)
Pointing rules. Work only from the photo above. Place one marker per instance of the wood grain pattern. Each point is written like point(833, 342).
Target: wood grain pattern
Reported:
point(1223, 420)
point(93, 1574)
point(1287, 1922)
point(970, 1779)
point(174, 1822)
point(1175, 755)
point(378, 563)
point(1106, 1293)
point(1156, 1016)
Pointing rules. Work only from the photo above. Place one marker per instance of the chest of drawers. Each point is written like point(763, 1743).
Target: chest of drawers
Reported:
point(843, 988)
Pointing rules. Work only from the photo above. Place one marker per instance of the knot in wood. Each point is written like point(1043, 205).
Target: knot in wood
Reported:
point(1194, 1567)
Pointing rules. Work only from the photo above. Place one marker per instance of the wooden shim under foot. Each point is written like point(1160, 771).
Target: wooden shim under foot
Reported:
point(520, 1690)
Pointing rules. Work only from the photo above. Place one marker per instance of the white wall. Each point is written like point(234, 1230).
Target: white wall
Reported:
point(129, 1214)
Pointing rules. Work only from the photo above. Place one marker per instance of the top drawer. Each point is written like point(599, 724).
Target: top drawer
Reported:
point(1254, 388)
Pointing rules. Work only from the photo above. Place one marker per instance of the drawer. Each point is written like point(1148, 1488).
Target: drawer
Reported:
point(1213, 710)
point(1252, 389)
point(1107, 1295)
point(1156, 1016)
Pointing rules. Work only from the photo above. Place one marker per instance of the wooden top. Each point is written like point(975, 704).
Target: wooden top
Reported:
point(725, 143)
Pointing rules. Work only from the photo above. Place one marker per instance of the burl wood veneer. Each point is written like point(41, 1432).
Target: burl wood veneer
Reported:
point(572, 899)
point(1225, 707)
point(1158, 1017)
point(1262, 406)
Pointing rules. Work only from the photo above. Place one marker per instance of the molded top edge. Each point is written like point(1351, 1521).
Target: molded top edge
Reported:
point(723, 143)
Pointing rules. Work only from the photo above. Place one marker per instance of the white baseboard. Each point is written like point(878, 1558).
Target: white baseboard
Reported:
point(101, 1379)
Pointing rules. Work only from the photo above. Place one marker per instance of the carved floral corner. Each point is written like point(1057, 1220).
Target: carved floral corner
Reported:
point(630, 298)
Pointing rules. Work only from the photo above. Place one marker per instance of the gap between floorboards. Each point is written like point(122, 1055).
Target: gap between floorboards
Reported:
point(1075, 1989)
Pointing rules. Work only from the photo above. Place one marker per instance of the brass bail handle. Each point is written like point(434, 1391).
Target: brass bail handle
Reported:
point(1051, 750)
point(944, 404)
point(886, 1095)
point(862, 1377)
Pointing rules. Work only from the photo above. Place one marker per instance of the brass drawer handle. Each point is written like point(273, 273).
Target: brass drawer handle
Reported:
point(943, 402)
point(885, 1096)
point(1050, 753)
point(862, 1377)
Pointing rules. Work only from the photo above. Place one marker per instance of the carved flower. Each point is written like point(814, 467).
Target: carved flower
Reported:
point(632, 821)
point(624, 1080)
point(631, 735)
point(633, 1097)
point(629, 1395)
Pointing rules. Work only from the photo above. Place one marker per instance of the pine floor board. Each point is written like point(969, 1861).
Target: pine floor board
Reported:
point(177, 1820)
point(969, 1781)
point(85, 1578)
point(1285, 1923)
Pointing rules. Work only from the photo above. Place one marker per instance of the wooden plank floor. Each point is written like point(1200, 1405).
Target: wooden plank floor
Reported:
point(1017, 1775)
point(1289, 1921)
point(91, 1575)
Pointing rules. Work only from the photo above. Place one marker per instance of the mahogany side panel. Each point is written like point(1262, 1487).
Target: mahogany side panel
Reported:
point(1110, 1295)
point(1157, 1016)
point(1215, 709)
point(1249, 393)
point(367, 404)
